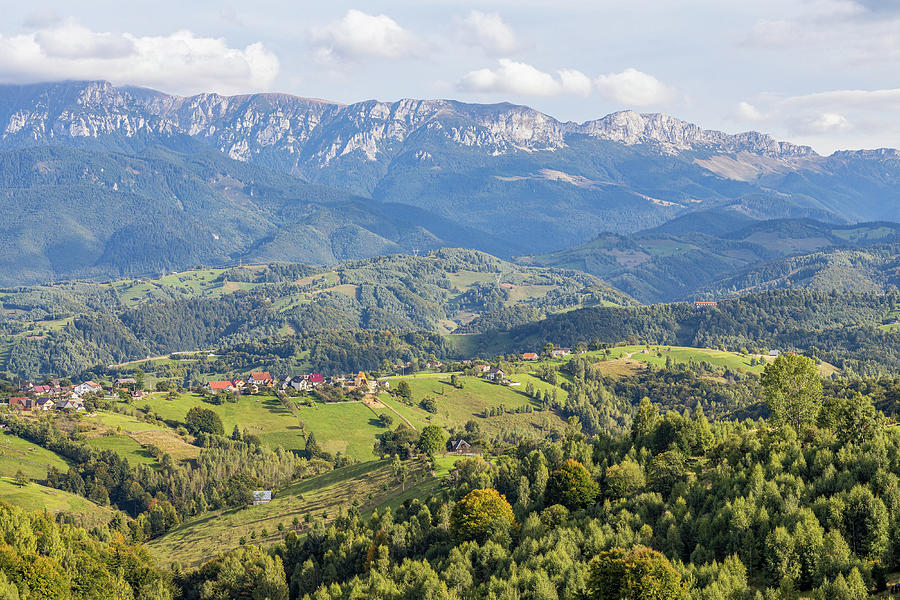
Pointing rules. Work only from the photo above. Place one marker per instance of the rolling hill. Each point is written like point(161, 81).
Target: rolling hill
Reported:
point(73, 326)
point(725, 252)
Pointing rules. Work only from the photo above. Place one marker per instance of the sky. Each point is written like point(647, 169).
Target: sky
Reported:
point(820, 72)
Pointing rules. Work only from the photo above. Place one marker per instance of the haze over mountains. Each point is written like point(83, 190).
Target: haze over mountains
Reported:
point(106, 181)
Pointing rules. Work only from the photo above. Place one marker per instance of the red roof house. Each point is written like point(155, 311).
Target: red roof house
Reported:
point(219, 386)
point(260, 378)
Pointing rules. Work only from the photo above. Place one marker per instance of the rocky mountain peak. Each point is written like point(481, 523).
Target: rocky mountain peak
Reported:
point(674, 135)
point(285, 128)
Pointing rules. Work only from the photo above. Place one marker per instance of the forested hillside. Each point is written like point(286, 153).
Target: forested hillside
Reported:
point(75, 326)
point(854, 331)
point(724, 252)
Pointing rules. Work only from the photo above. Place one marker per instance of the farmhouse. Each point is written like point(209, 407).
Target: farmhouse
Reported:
point(88, 387)
point(495, 375)
point(560, 352)
point(459, 446)
point(44, 404)
point(22, 403)
point(530, 356)
point(67, 404)
point(261, 378)
point(219, 386)
point(262, 496)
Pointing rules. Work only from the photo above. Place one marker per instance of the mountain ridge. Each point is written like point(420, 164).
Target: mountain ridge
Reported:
point(509, 125)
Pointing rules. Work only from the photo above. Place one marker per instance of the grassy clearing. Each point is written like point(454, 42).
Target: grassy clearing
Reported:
point(370, 485)
point(167, 441)
point(118, 422)
point(124, 446)
point(457, 406)
point(17, 454)
point(260, 415)
point(34, 497)
point(346, 428)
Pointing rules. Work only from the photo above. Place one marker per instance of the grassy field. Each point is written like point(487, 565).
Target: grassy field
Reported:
point(118, 422)
point(35, 497)
point(124, 446)
point(348, 428)
point(370, 485)
point(457, 406)
point(17, 454)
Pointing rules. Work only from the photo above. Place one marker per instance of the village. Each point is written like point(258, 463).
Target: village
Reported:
point(64, 396)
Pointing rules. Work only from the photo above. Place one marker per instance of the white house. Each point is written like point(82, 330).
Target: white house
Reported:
point(88, 387)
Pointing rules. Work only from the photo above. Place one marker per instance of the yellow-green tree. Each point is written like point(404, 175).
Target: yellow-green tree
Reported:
point(572, 486)
point(636, 574)
point(793, 390)
point(481, 514)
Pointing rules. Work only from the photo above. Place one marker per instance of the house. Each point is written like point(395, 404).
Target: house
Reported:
point(88, 387)
point(262, 496)
point(260, 378)
point(774, 352)
point(560, 352)
point(219, 386)
point(530, 356)
point(495, 374)
point(705, 304)
point(484, 368)
point(40, 390)
point(239, 384)
point(66, 404)
point(316, 379)
point(125, 382)
point(299, 383)
point(459, 446)
point(44, 404)
point(21, 402)
point(137, 394)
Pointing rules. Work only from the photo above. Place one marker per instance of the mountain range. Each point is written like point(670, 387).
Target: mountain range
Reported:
point(110, 181)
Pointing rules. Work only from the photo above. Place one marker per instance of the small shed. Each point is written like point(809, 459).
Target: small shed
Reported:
point(262, 496)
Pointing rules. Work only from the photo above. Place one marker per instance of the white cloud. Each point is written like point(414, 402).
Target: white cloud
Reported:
point(823, 118)
point(748, 112)
point(73, 41)
point(512, 77)
point(180, 62)
point(633, 88)
point(489, 32)
point(361, 35)
point(827, 123)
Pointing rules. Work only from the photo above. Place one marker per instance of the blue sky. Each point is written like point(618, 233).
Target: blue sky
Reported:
point(820, 72)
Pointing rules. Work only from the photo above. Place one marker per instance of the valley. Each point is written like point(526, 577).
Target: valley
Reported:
point(266, 346)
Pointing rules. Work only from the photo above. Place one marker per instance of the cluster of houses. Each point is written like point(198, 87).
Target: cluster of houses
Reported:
point(54, 396)
point(302, 383)
point(557, 352)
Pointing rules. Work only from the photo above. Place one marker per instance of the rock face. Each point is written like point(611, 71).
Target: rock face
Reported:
point(298, 134)
point(675, 135)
